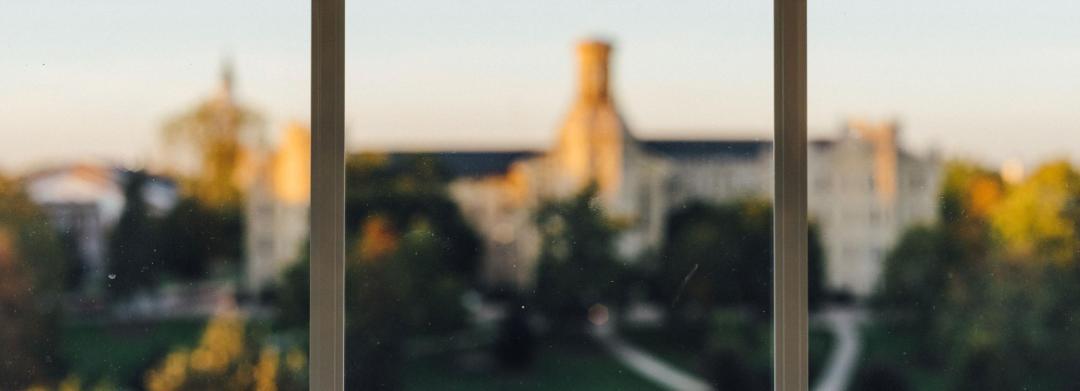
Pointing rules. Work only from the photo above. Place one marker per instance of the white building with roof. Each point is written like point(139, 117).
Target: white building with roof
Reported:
point(864, 189)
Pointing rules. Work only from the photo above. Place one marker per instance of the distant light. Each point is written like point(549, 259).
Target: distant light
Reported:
point(1012, 171)
point(598, 314)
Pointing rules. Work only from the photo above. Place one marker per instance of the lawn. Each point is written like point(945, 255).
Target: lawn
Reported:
point(121, 352)
point(687, 357)
point(581, 366)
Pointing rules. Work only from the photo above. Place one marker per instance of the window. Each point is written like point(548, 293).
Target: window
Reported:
point(507, 220)
point(962, 113)
point(154, 191)
point(181, 262)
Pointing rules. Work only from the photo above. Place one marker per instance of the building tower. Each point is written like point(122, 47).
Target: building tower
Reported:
point(593, 143)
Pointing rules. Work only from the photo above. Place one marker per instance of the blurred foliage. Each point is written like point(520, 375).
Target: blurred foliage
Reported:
point(578, 265)
point(876, 376)
point(736, 354)
point(219, 132)
point(219, 231)
point(410, 190)
point(991, 292)
point(410, 258)
point(229, 358)
point(720, 256)
point(189, 242)
point(31, 282)
point(134, 261)
point(1036, 221)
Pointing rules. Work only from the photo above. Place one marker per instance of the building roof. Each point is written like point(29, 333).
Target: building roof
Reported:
point(472, 163)
point(478, 164)
point(702, 149)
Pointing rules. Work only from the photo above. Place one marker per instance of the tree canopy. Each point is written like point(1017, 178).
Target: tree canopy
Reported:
point(31, 283)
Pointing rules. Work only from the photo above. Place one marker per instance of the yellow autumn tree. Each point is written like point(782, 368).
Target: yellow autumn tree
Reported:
point(1033, 220)
point(31, 276)
point(219, 132)
point(227, 358)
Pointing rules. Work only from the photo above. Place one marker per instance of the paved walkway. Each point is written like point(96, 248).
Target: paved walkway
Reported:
point(845, 326)
point(646, 365)
point(844, 323)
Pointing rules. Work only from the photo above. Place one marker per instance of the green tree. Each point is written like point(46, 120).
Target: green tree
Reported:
point(994, 284)
point(720, 255)
point(578, 266)
point(134, 261)
point(412, 255)
point(735, 357)
point(31, 282)
point(196, 240)
point(406, 189)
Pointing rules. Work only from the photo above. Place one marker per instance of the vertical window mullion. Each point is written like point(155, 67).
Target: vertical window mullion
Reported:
point(790, 309)
point(327, 327)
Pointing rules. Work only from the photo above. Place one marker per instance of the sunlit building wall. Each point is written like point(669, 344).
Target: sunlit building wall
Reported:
point(864, 188)
point(277, 208)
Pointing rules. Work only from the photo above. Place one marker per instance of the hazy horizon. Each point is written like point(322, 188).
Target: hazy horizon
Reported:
point(96, 81)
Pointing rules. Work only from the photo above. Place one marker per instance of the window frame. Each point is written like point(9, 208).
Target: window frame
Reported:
point(327, 248)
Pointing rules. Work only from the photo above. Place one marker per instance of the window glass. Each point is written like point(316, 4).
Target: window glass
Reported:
point(154, 164)
point(957, 267)
point(562, 194)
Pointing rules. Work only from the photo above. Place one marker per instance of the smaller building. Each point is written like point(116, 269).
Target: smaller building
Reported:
point(84, 202)
point(277, 208)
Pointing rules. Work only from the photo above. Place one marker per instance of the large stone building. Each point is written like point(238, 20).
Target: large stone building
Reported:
point(864, 188)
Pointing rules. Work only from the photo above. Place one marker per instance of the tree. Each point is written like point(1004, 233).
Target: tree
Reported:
point(720, 255)
point(134, 260)
point(733, 356)
point(577, 266)
point(197, 239)
point(216, 131)
point(1032, 220)
point(228, 357)
point(31, 283)
point(410, 259)
point(995, 283)
point(405, 190)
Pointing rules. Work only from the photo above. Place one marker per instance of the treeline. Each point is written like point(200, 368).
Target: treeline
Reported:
point(988, 297)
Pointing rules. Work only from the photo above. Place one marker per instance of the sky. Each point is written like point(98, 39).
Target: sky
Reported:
point(987, 80)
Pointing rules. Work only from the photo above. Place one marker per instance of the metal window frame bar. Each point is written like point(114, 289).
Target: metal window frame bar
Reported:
point(790, 319)
point(790, 295)
point(327, 245)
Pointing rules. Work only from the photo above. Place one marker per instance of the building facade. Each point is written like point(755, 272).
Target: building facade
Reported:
point(864, 189)
point(277, 208)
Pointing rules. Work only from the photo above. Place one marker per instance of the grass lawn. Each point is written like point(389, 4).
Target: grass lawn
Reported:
point(581, 366)
point(122, 352)
point(665, 346)
point(821, 345)
point(685, 356)
point(887, 347)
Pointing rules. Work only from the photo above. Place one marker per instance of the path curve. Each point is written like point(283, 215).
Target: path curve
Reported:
point(645, 364)
point(844, 323)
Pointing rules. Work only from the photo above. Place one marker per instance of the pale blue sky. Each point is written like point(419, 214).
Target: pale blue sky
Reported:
point(95, 79)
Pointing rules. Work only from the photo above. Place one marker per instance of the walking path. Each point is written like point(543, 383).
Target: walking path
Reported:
point(844, 324)
point(645, 364)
